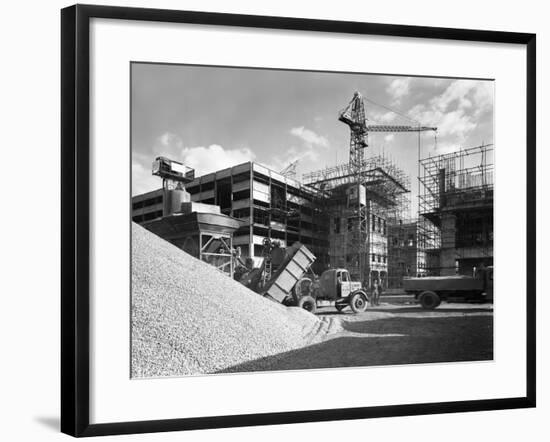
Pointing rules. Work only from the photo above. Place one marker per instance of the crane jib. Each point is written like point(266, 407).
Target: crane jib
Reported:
point(397, 128)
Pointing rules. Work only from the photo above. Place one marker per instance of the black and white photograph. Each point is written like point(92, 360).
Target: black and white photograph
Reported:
point(300, 220)
point(266, 221)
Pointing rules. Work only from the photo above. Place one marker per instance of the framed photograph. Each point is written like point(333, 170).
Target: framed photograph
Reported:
point(262, 215)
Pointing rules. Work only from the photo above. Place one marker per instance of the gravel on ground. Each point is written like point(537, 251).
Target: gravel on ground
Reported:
point(188, 318)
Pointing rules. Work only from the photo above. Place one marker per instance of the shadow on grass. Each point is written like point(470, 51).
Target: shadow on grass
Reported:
point(389, 341)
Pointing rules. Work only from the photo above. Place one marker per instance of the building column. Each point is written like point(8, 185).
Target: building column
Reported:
point(448, 244)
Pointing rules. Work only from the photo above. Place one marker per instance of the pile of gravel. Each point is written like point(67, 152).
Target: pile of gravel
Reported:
point(188, 318)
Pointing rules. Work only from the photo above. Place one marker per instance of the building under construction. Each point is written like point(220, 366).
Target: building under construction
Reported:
point(356, 215)
point(365, 199)
point(405, 257)
point(320, 212)
point(362, 213)
point(352, 216)
point(266, 203)
point(453, 233)
point(456, 210)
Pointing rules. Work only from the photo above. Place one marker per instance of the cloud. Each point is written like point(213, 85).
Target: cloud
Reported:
point(305, 157)
point(169, 145)
point(309, 137)
point(398, 88)
point(306, 154)
point(442, 148)
point(204, 159)
point(457, 91)
point(387, 117)
point(169, 139)
point(142, 179)
point(483, 96)
point(214, 157)
point(381, 118)
point(457, 110)
point(456, 123)
point(293, 154)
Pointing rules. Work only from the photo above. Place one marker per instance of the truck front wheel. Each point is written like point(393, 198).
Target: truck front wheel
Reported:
point(307, 303)
point(358, 302)
point(429, 300)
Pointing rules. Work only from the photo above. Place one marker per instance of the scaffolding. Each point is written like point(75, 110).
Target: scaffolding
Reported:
point(456, 210)
point(406, 257)
point(361, 214)
point(385, 183)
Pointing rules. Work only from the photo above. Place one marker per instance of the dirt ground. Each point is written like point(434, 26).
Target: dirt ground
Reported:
point(393, 334)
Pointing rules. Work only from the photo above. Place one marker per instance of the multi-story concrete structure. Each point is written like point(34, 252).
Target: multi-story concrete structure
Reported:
point(457, 208)
point(321, 214)
point(268, 204)
point(405, 255)
point(360, 214)
point(147, 206)
point(346, 238)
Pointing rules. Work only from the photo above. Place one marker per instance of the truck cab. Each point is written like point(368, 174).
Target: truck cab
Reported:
point(486, 275)
point(336, 283)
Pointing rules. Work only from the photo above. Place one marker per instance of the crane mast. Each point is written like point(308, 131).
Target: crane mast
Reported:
point(354, 116)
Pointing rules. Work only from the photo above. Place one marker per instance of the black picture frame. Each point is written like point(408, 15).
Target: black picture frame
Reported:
point(75, 212)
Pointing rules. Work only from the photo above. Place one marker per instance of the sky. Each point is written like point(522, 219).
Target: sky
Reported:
point(210, 118)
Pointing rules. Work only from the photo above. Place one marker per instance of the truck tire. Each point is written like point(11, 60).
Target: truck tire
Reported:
point(307, 303)
point(429, 300)
point(358, 302)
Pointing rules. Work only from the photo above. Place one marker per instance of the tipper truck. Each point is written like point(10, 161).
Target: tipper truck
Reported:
point(282, 278)
point(431, 290)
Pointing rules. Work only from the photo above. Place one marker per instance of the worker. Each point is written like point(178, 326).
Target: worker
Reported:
point(480, 272)
point(376, 293)
point(249, 263)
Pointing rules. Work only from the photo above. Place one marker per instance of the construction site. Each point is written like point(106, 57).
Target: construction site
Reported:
point(356, 215)
point(338, 237)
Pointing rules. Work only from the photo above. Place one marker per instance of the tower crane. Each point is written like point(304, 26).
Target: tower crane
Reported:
point(354, 116)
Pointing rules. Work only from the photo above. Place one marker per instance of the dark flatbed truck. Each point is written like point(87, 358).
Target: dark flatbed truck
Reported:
point(430, 291)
